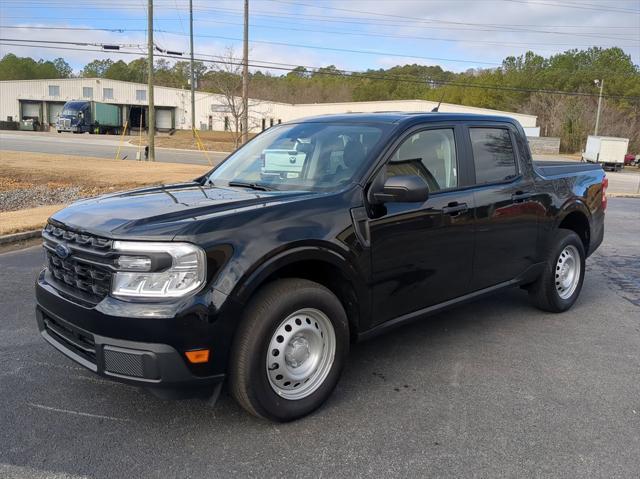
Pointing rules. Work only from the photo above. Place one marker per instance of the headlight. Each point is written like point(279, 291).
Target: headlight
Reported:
point(157, 270)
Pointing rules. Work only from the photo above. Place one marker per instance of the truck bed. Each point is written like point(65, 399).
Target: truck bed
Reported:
point(550, 169)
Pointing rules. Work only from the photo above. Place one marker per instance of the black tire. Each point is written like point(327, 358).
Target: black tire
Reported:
point(248, 379)
point(543, 292)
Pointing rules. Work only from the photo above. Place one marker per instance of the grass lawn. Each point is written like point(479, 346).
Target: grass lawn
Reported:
point(93, 176)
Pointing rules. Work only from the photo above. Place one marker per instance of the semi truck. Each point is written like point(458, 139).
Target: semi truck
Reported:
point(81, 116)
point(606, 150)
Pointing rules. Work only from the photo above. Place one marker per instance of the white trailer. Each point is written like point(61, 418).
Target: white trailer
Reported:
point(607, 150)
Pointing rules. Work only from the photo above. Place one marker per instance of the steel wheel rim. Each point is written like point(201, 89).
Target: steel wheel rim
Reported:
point(301, 354)
point(567, 272)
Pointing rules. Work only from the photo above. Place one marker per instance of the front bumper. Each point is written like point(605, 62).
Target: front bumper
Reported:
point(143, 351)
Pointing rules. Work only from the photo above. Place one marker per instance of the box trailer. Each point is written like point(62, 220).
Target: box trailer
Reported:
point(80, 116)
point(606, 150)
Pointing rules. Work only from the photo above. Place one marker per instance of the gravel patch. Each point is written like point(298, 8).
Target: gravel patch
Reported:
point(39, 195)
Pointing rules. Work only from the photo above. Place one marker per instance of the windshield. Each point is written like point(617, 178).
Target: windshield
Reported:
point(72, 108)
point(305, 156)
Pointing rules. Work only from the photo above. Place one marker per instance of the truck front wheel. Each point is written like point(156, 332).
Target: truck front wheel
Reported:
point(289, 350)
point(558, 287)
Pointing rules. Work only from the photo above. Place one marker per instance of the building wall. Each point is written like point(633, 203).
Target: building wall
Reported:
point(544, 146)
point(210, 110)
point(293, 112)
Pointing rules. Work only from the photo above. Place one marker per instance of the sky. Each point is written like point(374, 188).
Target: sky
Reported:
point(353, 35)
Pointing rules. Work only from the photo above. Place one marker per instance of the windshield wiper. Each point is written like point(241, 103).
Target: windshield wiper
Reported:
point(253, 186)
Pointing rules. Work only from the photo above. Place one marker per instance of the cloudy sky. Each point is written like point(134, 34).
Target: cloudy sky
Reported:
point(351, 34)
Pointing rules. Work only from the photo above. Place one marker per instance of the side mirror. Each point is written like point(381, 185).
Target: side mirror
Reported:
point(403, 189)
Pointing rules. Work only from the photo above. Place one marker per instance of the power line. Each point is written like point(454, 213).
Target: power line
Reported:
point(314, 47)
point(404, 19)
point(581, 6)
point(354, 74)
point(86, 44)
point(398, 21)
point(294, 45)
point(314, 18)
point(336, 32)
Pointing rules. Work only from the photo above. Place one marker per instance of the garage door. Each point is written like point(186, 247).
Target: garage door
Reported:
point(55, 110)
point(31, 110)
point(163, 119)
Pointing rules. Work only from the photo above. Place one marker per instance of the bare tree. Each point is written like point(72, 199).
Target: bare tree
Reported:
point(225, 78)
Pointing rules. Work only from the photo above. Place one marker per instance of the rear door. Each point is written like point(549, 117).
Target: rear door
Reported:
point(422, 252)
point(506, 212)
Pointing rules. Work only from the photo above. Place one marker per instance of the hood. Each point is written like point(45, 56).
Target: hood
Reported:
point(159, 211)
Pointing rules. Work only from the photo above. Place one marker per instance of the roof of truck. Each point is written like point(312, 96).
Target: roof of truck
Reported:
point(402, 117)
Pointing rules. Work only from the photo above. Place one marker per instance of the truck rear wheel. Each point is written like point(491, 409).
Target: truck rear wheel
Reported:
point(558, 287)
point(289, 350)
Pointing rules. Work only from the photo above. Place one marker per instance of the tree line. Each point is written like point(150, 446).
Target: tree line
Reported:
point(518, 85)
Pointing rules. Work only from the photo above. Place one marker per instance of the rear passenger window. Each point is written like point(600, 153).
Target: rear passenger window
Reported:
point(492, 154)
point(429, 154)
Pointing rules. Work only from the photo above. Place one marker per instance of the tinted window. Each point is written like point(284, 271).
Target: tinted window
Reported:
point(430, 154)
point(492, 154)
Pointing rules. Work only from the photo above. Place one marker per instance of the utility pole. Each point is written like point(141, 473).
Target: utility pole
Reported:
point(152, 117)
point(601, 84)
point(245, 75)
point(193, 76)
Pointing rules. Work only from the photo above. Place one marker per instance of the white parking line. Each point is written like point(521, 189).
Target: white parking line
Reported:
point(9, 471)
point(77, 413)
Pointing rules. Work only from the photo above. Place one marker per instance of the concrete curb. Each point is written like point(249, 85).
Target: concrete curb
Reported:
point(623, 195)
point(15, 237)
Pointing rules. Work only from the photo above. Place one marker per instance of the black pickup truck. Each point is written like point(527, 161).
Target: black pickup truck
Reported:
point(313, 235)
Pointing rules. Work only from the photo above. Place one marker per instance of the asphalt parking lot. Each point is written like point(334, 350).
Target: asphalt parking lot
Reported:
point(491, 389)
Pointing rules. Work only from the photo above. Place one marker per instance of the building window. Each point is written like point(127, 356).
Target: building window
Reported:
point(54, 90)
point(264, 124)
point(279, 121)
point(87, 92)
point(271, 122)
point(141, 95)
point(107, 93)
point(226, 123)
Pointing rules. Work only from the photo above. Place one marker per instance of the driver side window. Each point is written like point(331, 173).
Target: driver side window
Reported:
point(429, 154)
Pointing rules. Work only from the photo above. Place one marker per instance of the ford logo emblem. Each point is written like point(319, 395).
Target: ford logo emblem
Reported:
point(62, 251)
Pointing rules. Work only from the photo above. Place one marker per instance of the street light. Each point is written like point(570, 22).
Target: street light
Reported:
point(599, 83)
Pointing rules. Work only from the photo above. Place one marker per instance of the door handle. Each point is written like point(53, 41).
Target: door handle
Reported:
point(521, 196)
point(455, 208)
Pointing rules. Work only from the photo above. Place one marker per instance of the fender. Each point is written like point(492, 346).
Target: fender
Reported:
point(250, 282)
point(570, 206)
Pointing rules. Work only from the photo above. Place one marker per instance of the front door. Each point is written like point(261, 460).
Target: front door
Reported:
point(422, 253)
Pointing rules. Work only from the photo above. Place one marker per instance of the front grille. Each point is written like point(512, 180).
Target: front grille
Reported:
point(74, 339)
point(85, 266)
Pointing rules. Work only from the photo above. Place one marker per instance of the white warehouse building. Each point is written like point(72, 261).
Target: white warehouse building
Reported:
point(43, 100)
